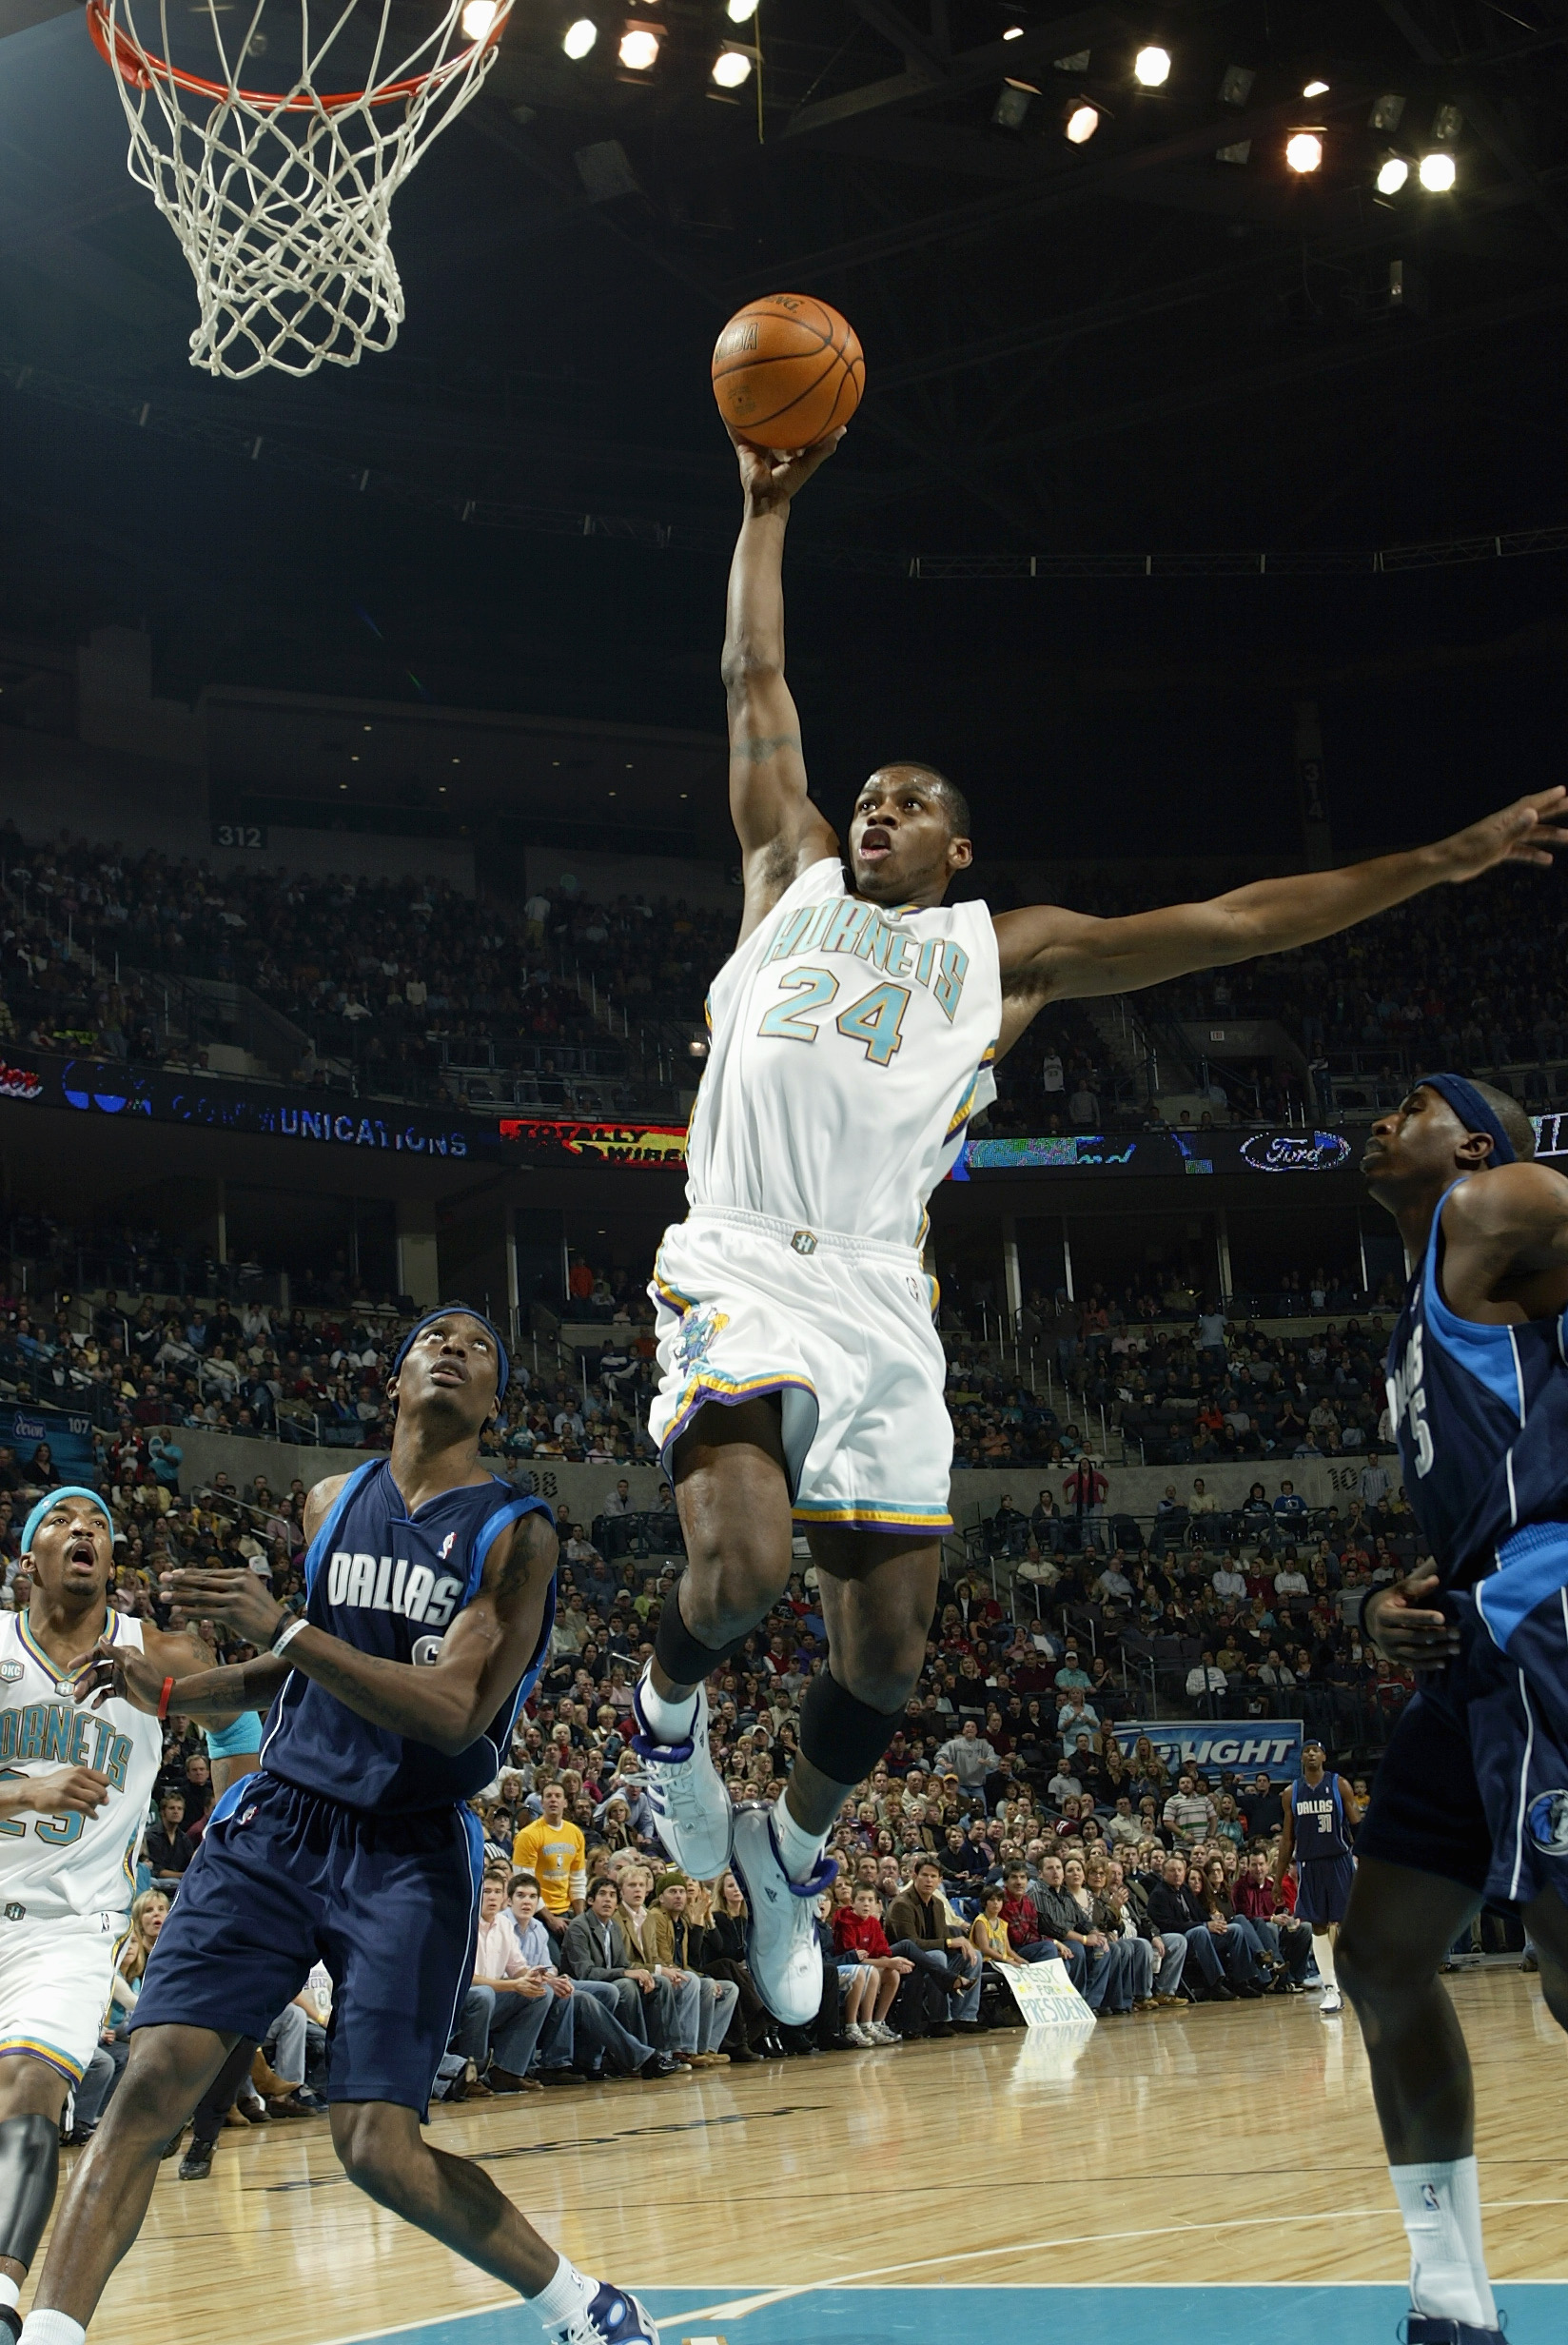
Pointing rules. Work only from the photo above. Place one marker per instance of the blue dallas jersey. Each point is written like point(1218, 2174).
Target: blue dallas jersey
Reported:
point(1321, 1829)
point(392, 1584)
point(1481, 1416)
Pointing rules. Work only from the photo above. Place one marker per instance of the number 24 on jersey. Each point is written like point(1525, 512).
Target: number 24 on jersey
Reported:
point(876, 1020)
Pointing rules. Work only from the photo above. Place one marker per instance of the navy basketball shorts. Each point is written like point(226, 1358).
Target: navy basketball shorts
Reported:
point(284, 1880)
point(1474, 1785)
point(1323, 1889)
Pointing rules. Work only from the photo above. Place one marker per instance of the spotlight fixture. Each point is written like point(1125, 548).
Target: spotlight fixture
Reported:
point(1437, 173)
point(1014, 33)
point(732, 67)
point(1316, 90)
point(478, 18)
point(741, 11)
point(1448, 122)
point(579, 39)
point(1385, 113)
point(1304, 150)
point(639, 50)
point(1152, 68)
point(1392, 173)
point(1014, 104)
point(1083, 120)
point(1236, 88)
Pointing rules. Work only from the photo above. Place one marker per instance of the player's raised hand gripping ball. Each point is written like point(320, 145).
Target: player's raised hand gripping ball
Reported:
point(787, 370)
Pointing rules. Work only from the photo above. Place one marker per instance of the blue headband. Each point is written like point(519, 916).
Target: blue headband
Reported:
point(449, 1311)
point(71, 1489)
point(1472, 1112)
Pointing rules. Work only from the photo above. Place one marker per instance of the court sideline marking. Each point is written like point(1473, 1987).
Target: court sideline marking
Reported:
point(738, 2309)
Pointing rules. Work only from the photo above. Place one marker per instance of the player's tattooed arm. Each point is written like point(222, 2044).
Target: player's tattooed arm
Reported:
point(1051, 954)
point(446, 1702)
point(212, 1693)
point(782, 833)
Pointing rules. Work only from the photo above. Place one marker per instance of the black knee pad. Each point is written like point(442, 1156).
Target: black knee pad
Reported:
point(842, 1736)
point(678, 1654)
point(30, 2168)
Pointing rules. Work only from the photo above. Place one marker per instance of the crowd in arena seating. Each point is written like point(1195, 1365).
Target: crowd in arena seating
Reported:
point(404, 981)
point(1014, 1820)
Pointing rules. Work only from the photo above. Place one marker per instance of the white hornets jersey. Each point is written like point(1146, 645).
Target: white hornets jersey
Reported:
point(848, 1046)
point(71, 1863)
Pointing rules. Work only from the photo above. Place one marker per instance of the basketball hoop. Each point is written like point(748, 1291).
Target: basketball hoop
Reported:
point(281, 199)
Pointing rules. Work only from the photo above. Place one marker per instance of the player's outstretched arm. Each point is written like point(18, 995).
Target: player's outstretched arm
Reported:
point(1048, 954)
point(214, 1694)
point(782, 833)
point(446, 1704)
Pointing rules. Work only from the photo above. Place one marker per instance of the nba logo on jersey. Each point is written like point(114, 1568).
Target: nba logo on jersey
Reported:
point(1548, 1821)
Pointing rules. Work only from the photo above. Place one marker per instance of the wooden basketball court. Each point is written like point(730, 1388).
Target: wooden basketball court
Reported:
point(890, 2194)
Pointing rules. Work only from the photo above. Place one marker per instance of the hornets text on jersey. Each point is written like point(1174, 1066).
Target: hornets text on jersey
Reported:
point(1481, 1416)
point(851, 1044)
point(71, 1863)
point(392, 1582)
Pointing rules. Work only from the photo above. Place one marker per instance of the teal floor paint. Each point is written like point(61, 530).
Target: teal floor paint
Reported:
point(1537, 2315)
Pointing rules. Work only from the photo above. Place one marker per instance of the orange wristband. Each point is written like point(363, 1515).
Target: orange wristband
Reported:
point(163, 1698)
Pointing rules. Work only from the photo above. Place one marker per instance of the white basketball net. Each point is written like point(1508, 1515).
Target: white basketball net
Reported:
point(280, 198)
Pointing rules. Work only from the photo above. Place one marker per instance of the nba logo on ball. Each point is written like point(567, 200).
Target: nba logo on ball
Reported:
point(1547, 1817)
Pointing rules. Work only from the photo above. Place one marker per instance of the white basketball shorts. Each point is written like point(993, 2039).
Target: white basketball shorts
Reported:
point(55, 1973)
point(840, 1327)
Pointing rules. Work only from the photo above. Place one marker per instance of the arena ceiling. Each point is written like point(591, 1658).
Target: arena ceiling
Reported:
point(1127, 345)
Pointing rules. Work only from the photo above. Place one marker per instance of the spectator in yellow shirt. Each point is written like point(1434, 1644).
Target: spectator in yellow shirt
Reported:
point(556, 1853)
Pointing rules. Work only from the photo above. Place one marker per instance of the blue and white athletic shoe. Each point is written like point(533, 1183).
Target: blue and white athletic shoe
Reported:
point(781, 1948)
point(1433, 2329)
point(615, 2317)
point(692, 1812)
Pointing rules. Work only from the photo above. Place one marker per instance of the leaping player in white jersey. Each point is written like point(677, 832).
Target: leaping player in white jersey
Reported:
point(853, 1033)
point(74, 1788)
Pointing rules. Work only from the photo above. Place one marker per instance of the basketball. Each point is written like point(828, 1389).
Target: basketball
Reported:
point(787, 370)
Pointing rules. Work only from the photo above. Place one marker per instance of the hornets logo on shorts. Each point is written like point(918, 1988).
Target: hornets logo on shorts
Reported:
point(1547, 1817)
point(694, 1336)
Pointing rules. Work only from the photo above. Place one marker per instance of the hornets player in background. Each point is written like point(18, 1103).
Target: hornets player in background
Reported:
point(853, 1033)
point(430, 1595)
point(75, 1789)
point(1469, 1801)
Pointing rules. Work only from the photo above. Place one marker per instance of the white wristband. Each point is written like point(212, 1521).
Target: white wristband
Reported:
point(284, 1637)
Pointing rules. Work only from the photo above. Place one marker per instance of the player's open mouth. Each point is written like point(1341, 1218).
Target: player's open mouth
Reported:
point(82, 1552)
point(873, 846)
point(447, 1371)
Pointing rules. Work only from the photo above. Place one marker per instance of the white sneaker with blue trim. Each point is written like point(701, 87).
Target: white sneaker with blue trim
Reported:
point(692, 1812)
point(614, 2317)
point(781, 1947)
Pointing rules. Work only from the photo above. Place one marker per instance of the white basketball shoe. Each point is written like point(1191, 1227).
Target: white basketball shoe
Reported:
point(781, 1948)
point(692, 1812)
point(1332, 2003)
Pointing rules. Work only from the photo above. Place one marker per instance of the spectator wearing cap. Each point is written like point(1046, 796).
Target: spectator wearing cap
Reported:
point(681, 1944)
point(1189, 1813)
point(1070, 1675)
